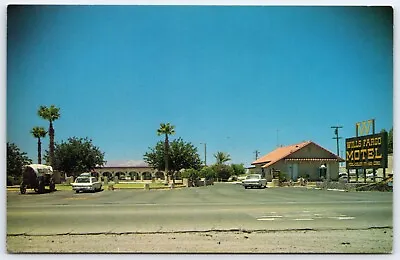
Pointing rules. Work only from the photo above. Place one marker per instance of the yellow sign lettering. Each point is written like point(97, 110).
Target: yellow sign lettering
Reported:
point(377, 155)
point(350, 155)
point(363, 128)
point(371, 154)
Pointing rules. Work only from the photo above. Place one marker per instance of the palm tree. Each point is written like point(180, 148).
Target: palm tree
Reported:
point(39, 132)
point(166, 129)
point(222, 157)
point(51, 114)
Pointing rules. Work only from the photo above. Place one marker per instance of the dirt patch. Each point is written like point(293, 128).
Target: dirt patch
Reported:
point(326, 241)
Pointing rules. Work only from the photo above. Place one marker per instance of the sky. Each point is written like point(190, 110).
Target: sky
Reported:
point(237, 78)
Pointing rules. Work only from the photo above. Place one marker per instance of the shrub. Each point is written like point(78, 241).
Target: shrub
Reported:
point(282, 176)
point(207, 172)
point(13, 180)
point(191, 174)
point(305, 176)
point(223, 172)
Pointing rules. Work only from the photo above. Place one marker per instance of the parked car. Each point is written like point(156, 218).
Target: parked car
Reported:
point(89, 174)
point(254, 180)
point(370, 176)
point(343, 178)
point(85, 183)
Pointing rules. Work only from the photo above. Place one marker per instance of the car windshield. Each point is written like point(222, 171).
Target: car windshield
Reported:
point(83, 180)
point(253, 176)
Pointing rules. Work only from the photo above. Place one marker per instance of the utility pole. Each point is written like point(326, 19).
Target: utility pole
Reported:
point(341, 152)
point(337, 137)
point(257, 153)
point(205, 154)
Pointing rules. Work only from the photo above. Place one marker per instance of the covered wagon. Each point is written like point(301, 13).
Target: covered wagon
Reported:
point(37, 176)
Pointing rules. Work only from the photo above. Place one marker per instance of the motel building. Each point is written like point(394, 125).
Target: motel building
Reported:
point(306, 159)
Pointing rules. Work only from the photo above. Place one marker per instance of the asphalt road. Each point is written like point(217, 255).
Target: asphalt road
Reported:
point(223, 206)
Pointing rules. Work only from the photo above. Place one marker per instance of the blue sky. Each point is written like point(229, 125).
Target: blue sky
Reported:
point(228, 76)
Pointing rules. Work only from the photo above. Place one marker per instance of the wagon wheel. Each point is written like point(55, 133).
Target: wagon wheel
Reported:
point(52, 185)
point(22, 188)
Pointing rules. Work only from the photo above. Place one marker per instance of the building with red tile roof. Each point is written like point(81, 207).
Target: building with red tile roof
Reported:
point(305, 159)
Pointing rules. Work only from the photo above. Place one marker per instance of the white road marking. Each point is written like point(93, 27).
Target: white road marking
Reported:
point(342, 218)
point(265, 219)
point(345, 218)
point(304, 219)
point(271, 216)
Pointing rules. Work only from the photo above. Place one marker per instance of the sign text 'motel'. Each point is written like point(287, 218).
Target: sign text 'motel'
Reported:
point(369, 151)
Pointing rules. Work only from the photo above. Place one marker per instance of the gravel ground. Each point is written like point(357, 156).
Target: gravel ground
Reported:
point(333, 241)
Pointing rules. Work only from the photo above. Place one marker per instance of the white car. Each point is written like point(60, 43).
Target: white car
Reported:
point(85, 183)
point(254, 180)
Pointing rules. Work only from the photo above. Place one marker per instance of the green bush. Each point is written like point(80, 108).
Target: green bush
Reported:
point(223, 172)
point(191, 174)
point(304, 176)
point(13, 180)
point(282, 177)
point(238, 169)
point(208, 173)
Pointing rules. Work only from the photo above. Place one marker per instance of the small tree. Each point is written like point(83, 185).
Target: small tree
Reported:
point(77, 155)
point(191, 174)
point(16, 159)
point(222, 171)
point(389, 140)
point(181, 155)
point(208, 173)
point(238, 169)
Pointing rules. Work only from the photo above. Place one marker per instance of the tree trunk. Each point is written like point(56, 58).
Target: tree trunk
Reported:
point(51, 145)
point(166, 158)
point(39, 151)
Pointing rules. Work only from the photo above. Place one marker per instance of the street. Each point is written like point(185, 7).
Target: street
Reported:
point(224, 207)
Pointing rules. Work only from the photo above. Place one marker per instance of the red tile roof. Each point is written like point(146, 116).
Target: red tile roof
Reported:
point(282, 152)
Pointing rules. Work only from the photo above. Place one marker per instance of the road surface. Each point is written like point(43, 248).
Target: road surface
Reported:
point(221, 208)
